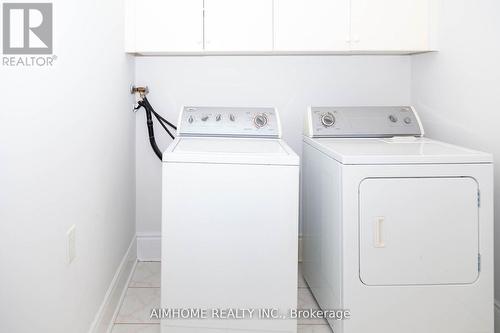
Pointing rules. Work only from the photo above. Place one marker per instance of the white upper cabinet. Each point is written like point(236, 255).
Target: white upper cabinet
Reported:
point(279, 26)
point(390, 25)
point(238, 25)
point(311, 25)
point(166, 25)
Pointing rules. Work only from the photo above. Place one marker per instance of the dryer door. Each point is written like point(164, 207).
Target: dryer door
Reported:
point(418, 231)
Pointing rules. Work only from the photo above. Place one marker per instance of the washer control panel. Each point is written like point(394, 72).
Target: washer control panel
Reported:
point(352, 122)
point(229, 121)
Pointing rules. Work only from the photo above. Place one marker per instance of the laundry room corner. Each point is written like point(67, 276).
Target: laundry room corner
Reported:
point(250, 166)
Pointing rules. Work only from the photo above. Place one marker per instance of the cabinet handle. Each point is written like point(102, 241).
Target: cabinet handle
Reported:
point(378, 228)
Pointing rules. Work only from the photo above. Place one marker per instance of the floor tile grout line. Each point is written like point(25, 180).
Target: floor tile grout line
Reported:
point(119, 309)
point(138, 323)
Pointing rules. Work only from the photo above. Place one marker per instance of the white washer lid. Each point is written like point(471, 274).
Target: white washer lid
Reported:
point(230, 151)
point(397, 150)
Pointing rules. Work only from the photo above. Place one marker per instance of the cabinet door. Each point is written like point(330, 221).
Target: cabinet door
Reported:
point(168, 25)
point(311, 25)
point(238, 25)
point(390, 25)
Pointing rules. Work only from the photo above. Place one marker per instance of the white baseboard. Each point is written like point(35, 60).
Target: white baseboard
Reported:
point(149, 246)
point(108, 310)
point(497, 316)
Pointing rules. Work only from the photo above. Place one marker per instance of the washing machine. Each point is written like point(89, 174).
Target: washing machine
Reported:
point(230, 223)
point(397, 228)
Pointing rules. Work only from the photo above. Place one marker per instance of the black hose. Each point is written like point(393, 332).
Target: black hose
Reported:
point(149, 120)
point(160, 118)
point(163, 125)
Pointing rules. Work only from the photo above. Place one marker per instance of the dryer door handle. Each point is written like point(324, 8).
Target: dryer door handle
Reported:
point(378, 229)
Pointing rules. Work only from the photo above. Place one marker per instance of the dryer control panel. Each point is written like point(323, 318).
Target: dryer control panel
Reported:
point(229, 122)
point(363, 122)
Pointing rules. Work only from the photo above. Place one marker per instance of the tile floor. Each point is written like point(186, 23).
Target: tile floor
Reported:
point(143, 294)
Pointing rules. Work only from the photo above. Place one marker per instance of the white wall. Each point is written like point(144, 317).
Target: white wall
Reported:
point(457, 90)
point(66, 157)
point(289, 83)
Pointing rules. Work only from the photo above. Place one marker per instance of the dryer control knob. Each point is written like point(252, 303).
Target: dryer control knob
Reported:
point(260, 120)
point(328, 119)
point(393, 118)
point(218, 117)
point(232, 117)
point(190, 119)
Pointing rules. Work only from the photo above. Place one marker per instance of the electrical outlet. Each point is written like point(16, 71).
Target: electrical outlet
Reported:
point(71, 236)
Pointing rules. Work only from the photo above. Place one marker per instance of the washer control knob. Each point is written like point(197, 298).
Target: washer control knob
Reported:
point(190, 119)
point(328, 119)
point(393, 118)
point(260, 120)
point(204, 118)
point(218, 117)
point(407, 120)
point(232, 117)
